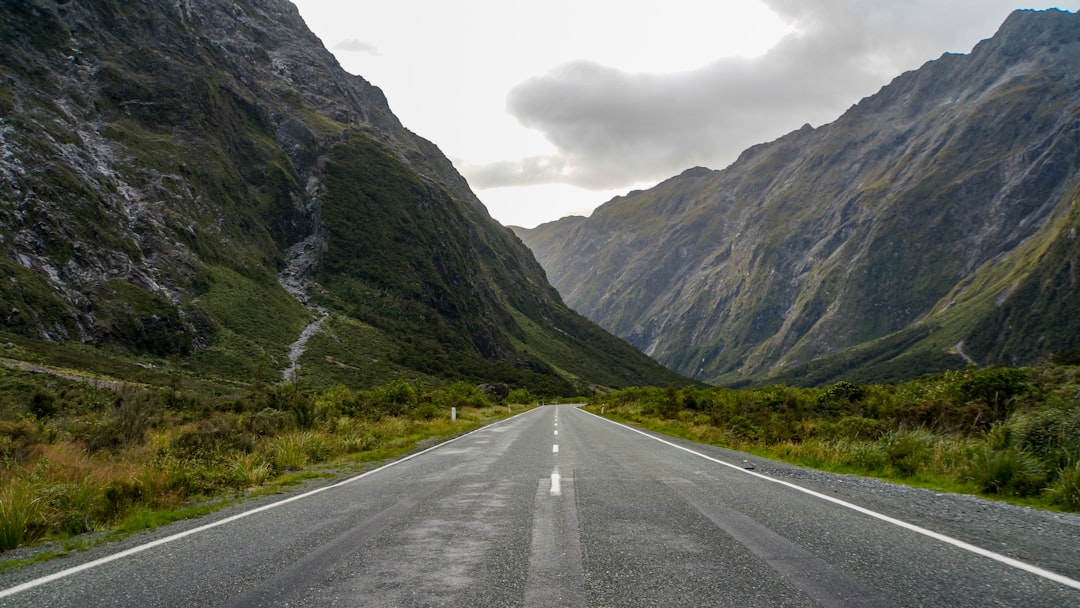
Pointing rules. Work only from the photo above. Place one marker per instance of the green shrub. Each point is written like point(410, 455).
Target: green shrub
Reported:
point(268, 422)
point(425, 411)
point(1052, 435)
point(740, 426)
point(853, 427)
point(999, 436)
point(908, 451)
point(223, 432)
point(841, 393)
point(519, 395)
point(131, 416)
point(79, 506)
point(42, 404)
point(187, 478)
point(359, 442)
point(19, 441)
point(1008, 471)
point(289, 398)
point(463, 394)
point(1065, 490)
point(121, 495)
point(996, 387)
point(395, 398)
point(866, 456)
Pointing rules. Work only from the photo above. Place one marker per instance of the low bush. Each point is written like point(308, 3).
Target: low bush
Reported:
point(1050, 434)
point(1065, 490)
point(853, 427)
point(1001, 431)
point(19, 442)
point(1006, 472)
point(868, 456)
point(908, 452)
point(78, 506)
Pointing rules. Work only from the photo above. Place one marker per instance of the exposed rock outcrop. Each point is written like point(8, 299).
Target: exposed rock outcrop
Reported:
point(201, 178)
point(879, 241)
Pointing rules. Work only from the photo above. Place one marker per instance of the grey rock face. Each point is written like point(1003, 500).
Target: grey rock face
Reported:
point(933, 191)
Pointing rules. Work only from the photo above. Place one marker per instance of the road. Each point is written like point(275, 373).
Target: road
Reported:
point(558, 507)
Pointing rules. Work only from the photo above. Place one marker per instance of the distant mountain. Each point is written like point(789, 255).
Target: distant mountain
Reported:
point(934, 223)
point(200, 179)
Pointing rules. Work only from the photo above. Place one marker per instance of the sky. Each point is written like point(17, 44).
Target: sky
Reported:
point(552, 108)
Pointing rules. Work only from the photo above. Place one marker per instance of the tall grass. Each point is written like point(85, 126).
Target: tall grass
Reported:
point(250, 470)
point(21, 513)
point(1065, 490)
point(293, 451)
point(1006, 471)
point(73, 462)
point(1009, 433)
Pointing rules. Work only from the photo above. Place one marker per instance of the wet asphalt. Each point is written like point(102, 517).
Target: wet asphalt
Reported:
point(557, 507)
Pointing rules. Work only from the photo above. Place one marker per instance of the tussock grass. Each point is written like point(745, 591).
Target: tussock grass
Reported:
point(293, 451)
point(250, 470)
point(1006, 433)
point(1065, 490)
point(140, 458)
point(21, 512)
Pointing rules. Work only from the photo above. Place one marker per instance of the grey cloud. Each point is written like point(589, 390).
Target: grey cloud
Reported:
point(357, 46)
point(613, 128)
point(526, 172)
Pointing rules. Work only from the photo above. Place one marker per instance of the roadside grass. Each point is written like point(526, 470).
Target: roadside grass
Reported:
point(946, 470)
point(94, 466)
point(1001, 433)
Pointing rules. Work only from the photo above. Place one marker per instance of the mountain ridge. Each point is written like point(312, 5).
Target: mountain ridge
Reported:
point(834, 237)
point(200, 179)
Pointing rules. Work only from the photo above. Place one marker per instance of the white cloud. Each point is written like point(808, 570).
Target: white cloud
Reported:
point(611, 127)
point(609, 94)
point(355, 45)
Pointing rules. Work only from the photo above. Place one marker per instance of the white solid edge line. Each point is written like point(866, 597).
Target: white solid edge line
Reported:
point(1015, 563)
point(37, 582)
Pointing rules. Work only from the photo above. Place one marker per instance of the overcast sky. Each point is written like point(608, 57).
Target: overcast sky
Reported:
point(551, 108)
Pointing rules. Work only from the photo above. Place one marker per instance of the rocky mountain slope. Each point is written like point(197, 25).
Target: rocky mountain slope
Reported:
point(933, 221)
point(200, 178)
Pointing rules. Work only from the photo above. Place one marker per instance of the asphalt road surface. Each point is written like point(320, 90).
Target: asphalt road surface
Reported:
point(557, 507)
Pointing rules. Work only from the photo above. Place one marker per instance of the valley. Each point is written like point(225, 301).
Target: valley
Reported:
point(235, 288)
point(940, 210)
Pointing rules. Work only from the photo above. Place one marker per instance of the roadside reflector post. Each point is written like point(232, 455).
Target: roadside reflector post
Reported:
point(453, 414)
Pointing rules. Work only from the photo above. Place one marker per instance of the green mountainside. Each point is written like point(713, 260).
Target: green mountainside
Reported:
point(932, 225)
point(196, 184)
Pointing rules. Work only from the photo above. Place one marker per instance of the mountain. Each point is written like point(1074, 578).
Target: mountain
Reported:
point(199, 183)
point(932, 224)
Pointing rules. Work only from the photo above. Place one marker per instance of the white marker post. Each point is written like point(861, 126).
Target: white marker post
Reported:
point(453, 414)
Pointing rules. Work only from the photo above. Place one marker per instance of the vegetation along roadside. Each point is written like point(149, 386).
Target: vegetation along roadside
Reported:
point(78, 457)
point(1003, 433)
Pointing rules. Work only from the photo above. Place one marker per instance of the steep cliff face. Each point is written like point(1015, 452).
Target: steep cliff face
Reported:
point(922, 210)
point(197, 177)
